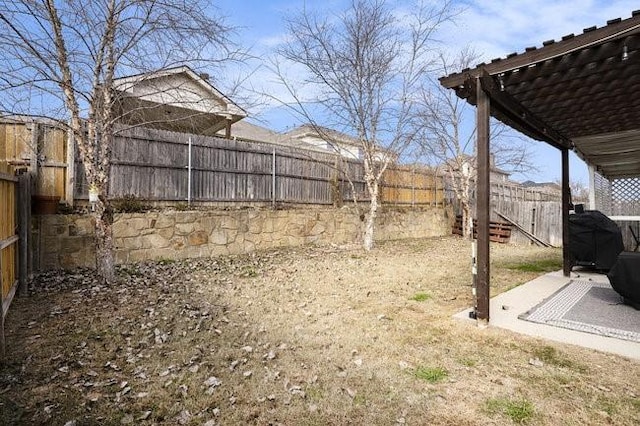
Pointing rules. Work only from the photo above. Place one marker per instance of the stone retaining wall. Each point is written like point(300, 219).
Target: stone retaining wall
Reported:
point(66, 241)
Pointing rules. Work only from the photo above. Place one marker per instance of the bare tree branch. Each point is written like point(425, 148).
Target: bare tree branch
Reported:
point(363, 68)
point(448, 141)
point(68, 54)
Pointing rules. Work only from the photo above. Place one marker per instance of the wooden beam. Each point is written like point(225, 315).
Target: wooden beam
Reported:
point(482, 207)
point(539, 241)
point(519, 114)
point(586, 40)
point(566, 199)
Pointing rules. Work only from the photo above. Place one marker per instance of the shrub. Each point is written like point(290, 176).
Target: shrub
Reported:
point(130, 204)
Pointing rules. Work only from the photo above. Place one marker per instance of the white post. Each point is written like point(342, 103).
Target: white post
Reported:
point(189, 175)
point(592, 188)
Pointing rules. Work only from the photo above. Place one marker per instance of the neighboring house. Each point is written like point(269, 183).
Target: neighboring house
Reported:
point(246, 131)
point(327, 140)
point(497, 175)
point(176, 99)
point(334, 141)
point(320, 139)
point(550, 186)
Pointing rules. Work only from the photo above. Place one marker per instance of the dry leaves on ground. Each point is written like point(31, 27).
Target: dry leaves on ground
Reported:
point(314, 335)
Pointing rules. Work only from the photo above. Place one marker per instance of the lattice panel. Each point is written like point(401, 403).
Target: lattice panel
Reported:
point(603, 194)
point(625, 197)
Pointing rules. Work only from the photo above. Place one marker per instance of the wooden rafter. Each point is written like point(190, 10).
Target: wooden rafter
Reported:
point(520, 115)
point(613, 30)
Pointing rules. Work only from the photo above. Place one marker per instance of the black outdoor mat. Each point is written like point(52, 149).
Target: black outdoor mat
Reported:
point(590, 307)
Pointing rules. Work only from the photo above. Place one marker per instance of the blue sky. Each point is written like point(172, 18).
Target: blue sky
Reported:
point(494, 28)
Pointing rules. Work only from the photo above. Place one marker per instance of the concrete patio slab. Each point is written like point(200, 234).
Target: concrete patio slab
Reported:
point(506, 307)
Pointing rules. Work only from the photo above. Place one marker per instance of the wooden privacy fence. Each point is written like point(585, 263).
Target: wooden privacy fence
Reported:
point(412, 186)
point(543, 219)
point(14, 226)
point(158, 165)
point(506, 191)
point(41, 147)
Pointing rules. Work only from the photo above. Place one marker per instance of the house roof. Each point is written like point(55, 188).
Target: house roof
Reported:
point(175, 99)
point(253, 132)
point(532, 184)
point(247, 131)
point(311, 130)
point(581, 92)
point(472, 159)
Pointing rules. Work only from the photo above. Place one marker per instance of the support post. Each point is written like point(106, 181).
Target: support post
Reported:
point(482, 207)
point(566, 199)
point(227, 129)
point(592, 188)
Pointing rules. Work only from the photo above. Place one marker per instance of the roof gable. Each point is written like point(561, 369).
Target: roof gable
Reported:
point(180, 87)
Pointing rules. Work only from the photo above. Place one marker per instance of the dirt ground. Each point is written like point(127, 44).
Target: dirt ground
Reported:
point(309, 336)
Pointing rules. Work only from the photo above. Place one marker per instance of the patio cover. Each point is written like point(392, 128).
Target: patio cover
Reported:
point(580, 93)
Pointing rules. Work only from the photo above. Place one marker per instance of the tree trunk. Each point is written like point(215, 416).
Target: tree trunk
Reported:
point(467, 221)
point(105, 261)
point(371, 217)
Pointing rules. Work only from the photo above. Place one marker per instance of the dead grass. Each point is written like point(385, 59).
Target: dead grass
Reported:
point(312, 336)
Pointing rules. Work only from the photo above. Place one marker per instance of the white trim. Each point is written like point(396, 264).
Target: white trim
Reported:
point(592, 187)
point(626, 218)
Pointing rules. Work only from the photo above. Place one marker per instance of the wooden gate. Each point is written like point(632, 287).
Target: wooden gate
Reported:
point(14, 219)
point(42, 148)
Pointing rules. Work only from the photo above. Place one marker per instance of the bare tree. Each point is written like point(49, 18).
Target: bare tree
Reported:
point(579, 191)
point(60, 60)
point(361, 71)
point(448, 141)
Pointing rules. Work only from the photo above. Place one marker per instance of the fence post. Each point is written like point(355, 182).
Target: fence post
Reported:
point(435, 189)
point(189, 174)
point(35, 150)
point(273, 179)
point(71, 169)
point(24, 229)
point(413, 186)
